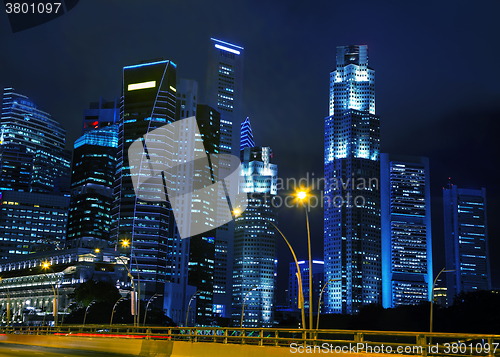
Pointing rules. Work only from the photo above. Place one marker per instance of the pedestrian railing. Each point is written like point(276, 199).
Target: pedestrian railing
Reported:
point(297, 340)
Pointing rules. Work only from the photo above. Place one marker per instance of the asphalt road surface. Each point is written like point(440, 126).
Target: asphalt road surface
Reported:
point(12, 350)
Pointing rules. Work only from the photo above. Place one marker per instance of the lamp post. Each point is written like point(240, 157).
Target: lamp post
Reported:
point(46, 265)
point(319, 301)
point(64, 313)
point(432, 294)
point(302, 195)
point(86, 310)
point(189, 307)
point(299, 275)
point(244, 300)
point(113, 311)
point(137, 307)
point(125, 243)
point(147, 305)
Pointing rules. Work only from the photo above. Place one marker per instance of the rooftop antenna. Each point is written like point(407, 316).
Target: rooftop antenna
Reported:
point(449, 183)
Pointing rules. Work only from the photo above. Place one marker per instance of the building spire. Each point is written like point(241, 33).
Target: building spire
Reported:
point(246, 135)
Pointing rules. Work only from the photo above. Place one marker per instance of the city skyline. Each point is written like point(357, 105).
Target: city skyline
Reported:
point(468, 174)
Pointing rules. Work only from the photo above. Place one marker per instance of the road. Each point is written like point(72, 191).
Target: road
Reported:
point(12, 350)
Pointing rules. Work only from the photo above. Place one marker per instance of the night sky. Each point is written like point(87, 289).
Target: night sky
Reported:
point(437, 81)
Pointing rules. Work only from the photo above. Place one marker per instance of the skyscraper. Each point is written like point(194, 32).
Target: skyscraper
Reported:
point(466, 240)
point(145, 220)
point(255, 240)
point(23, 123)
point(352, 246)
point(225, 93)
point(94, 165)
point(406, 230)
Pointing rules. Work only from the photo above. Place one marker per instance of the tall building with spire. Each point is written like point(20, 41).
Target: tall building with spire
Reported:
point(224, 93)
point(352, 232)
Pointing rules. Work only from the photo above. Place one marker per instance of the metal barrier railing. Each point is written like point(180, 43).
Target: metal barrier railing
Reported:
point(405, 343)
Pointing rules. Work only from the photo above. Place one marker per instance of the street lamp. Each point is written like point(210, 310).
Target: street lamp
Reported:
point(113, 311)
point(64, 313)
point(46, 265)
point(244, 300)
point(432, 293)
point(137, 307)
point(299, 275)
point(319, 301)
point(133, 286)
point(189, 307)
point(147, 305)
point(86, 310)
point(301, 196)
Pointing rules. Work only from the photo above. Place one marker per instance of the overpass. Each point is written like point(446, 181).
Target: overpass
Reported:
point(249, 342)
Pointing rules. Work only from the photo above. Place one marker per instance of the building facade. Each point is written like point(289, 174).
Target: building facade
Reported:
point(225, 94)
point(254, 269)
point(27, 287)
point(101, 114)
point(466, 241)
point(31, 222)
point(143, 224)
point(352, 240)
point(93, 173)
point(406, 230)
point(318, 275)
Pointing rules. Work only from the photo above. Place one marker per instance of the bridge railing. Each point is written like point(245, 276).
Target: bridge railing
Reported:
point(355, 341)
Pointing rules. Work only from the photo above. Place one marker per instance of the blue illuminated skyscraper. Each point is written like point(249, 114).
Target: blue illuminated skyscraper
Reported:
point(225, 94)
point(466, 240)
point(255, 240)
point(246, 137)
point(406, 230)
point(93, 173)
point(318, 275)
point(352, 241)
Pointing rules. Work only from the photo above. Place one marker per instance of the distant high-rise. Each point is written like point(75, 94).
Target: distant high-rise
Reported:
point(31, 222)
point(246, 137)
point(16, 168)
point(352, 241)
point(24, 124)
point(145, 220)
point(255, 240)
point(224, 92)
point(406, 230)
point(94, 165)
point(318, 275)
point(466, 240)
point(101, 114)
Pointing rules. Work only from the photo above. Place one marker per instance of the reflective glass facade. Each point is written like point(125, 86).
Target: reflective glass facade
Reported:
point(352, 241)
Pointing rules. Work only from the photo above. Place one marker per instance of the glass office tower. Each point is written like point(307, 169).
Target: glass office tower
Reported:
point(23, 123)
point(466, 240)
point(143, 224)
point(246, 136)
point(406, 230)
point(352, 242)
point(255, 240)
point(225, 93)
point(94, 165)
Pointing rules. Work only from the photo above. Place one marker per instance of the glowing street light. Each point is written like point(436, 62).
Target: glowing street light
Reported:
point(45, 266)
point(125, 243)
point(302, 195)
